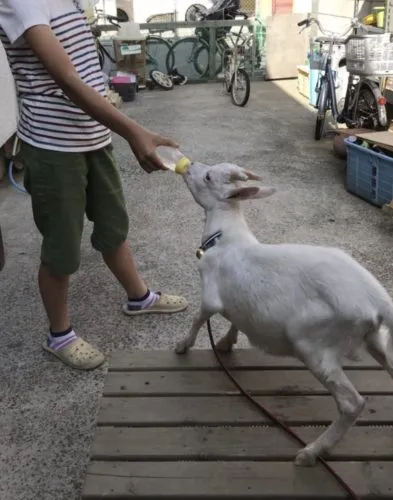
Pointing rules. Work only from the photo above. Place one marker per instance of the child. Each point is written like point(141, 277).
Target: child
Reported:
point(64, 129)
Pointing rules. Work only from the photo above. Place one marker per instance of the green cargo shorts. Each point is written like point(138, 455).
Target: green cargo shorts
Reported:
point(63, 188)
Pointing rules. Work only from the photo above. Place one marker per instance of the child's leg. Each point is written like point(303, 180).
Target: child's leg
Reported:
point(106, 208)
point(57, 184)
point(121, 262)
point(54, 294)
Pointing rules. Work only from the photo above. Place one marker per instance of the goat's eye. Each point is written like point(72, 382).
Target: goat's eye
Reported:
point(207, 177)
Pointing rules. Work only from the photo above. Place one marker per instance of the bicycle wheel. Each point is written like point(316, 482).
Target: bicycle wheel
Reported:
point(182, 56)
point(100, 53)
point(240, 87)
point(227, 73)
point(366, 113)
point(201, 60)
point(2, 252)
point(157, 50)
point(101, 57)
point(322, 108)
point(195, 12)
point(161, 79)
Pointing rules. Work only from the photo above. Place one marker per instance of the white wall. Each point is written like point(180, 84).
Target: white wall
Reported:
point(302, 6)
point(109, 6)
point(335, 15)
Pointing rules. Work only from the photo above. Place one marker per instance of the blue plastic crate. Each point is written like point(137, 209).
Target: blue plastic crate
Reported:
point(369, 174)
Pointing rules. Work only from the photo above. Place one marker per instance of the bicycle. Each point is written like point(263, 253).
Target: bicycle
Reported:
point(235, 76)
point(97, 32)
point(364, 105)
point(158, 47)
point(196, 49)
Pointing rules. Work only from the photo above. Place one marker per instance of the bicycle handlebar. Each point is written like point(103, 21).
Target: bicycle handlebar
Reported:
point(330, 34)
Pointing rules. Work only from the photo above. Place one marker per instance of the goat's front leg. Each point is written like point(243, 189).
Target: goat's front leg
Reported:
point(199, 319)
point(226, 343)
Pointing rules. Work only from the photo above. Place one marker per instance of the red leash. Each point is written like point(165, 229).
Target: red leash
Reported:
point(283, 425)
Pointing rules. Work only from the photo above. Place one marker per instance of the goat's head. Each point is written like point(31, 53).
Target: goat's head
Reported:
point(211, 185)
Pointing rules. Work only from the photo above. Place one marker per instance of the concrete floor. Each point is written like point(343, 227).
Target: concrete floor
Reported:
point(47, 411)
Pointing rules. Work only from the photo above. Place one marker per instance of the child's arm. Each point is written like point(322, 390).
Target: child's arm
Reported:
point(48, 49)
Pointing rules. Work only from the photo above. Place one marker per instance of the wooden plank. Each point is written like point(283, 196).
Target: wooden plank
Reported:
point(126, 480)
point(222, 410)
point(232, 443)
point(202, 359)
point(210, 382)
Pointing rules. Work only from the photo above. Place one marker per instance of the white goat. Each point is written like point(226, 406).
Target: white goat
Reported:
point(310, 302)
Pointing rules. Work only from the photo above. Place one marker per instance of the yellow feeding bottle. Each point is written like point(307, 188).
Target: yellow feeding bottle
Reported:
point(173, 159)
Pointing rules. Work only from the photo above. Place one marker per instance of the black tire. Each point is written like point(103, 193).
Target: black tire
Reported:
point(240, 74)
point(322, 108)
point(227, 79)
point(161, 79)
point(201, 55)
point(366, 113)
point(227, 69)
point(101, 57)
point(194, 11)
point(157, 51)
point(122, 16)
point(188, 67)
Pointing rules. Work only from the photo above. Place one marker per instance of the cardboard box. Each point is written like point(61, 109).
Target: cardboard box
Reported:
point(381, 139)
point(130, 56)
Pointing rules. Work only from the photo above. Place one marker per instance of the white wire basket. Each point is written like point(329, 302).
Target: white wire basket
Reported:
point(370, 55)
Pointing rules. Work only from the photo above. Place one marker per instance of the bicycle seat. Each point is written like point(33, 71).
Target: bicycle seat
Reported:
point(326, 39)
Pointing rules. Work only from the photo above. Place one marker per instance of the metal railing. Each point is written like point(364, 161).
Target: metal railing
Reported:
point(196, 49)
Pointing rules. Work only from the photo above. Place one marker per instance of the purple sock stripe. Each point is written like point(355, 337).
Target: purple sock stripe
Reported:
point(60, 345)
point(134, 305)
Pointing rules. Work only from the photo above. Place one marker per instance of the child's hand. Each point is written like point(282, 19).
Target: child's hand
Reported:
point(144, 143)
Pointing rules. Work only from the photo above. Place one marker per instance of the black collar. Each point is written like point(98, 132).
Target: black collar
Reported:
point(208, 243)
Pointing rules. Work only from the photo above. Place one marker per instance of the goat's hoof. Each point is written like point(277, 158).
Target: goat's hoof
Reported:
point(223, 345)
point(306, 458)
point(181, 347)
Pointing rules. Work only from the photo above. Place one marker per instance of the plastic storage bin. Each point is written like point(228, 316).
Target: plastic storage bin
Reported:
point(369, 174)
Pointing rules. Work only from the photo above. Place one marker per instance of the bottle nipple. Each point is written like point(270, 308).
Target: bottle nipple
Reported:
point(182, 165)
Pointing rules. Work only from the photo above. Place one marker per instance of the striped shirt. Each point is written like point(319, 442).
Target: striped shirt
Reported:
point(48, 119)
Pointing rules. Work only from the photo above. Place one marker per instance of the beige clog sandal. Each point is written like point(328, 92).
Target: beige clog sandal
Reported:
point(166, 304)
point(78, 354)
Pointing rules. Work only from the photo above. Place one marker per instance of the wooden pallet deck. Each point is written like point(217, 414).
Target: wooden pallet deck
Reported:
point(174, 427)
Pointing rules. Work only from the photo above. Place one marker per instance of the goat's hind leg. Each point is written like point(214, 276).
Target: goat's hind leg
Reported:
point(349, 403)
point(226, 343)
point(379, 346)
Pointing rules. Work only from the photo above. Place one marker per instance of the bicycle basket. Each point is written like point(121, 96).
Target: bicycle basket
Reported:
point(370, 55)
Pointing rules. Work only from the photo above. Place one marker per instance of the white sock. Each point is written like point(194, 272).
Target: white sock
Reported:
point(61, 339)
point(144, 302)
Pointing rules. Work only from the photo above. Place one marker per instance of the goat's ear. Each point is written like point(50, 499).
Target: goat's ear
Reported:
point(250, 193)
point(244, 175)
point(252, 176)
